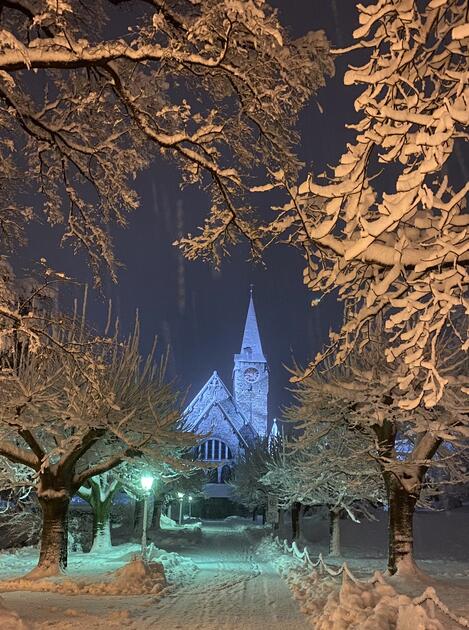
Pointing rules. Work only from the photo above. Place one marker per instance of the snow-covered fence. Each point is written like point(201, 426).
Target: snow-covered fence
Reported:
point(428, 597)
point(320, 564)
point(431, 599)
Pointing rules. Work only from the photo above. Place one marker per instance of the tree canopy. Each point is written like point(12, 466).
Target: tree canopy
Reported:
point(387, 231)
point(90, 92)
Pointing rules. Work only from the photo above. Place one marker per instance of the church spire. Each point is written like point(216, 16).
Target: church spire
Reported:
point(251, 347)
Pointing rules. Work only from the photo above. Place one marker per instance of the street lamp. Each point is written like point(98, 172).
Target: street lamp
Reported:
point(147, 483)
point(181, 499)
point(190, 506)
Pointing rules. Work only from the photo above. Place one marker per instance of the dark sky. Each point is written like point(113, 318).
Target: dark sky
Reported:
point(198, 311)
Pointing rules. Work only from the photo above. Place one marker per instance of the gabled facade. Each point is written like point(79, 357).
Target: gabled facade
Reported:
point(232, 420)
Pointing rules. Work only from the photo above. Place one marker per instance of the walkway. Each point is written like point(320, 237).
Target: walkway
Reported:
point(234, 590)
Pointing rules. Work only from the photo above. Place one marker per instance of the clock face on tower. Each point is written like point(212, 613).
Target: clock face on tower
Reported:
point(251, 374)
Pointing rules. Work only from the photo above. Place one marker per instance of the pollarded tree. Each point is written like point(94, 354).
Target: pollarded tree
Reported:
point(59, 403)
point(328, 465)
point(366, 394)
point(99, 492)
point(91, 92)
point(389, 227)
point(171, 472)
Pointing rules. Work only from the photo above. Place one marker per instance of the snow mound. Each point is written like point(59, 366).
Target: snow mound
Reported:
point(331, 604)
point(134, 578)
point(9, 620)
point(177, 568)
point(138, 577)
point(167, 522)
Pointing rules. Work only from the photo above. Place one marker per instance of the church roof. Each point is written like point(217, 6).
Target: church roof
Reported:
point(251, 347)
point(214, 389)
point(215, 392)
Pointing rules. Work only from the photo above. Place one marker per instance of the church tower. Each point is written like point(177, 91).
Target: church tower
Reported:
point(251, 376)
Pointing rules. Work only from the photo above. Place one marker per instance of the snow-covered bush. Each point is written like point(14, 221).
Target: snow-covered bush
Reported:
point(326, 466)
point(20, 522)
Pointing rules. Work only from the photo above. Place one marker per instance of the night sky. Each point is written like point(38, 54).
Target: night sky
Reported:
point(200, 312)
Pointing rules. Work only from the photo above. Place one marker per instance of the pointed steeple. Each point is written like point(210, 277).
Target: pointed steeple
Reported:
point(251, 347)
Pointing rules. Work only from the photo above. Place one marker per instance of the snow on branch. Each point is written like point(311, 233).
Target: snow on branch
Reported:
point(387, 233)
point(215, 87)
point(397, 243)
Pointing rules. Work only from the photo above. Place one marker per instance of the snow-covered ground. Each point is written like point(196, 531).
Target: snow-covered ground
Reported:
point(221, 576)
point(215, 581)
point(442, 553)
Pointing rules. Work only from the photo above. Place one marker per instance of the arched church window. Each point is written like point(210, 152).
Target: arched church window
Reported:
point(214, 451)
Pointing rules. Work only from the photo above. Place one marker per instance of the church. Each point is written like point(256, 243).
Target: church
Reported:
point(232, 420)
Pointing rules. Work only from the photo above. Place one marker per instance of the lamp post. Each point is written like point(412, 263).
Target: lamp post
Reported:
point(190, 506)
point(147, 484)
point(181, 499)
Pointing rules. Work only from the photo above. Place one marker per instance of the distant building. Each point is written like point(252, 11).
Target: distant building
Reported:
point(232, 420)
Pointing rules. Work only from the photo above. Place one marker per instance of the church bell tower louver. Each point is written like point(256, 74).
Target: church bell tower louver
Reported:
point(251, 376)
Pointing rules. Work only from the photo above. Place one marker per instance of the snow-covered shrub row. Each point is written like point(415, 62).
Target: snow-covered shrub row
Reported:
point(332, 604)
point(339, 604)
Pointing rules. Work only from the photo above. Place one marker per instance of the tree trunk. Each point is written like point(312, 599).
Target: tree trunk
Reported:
point(295, 520)
point(279, 525)
point(401, 526)
point(334, 533)
point(156, 521)
point(54, 543)
point(101, 526)
point(401, 502)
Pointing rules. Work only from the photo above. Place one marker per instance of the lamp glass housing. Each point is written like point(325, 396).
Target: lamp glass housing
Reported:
point(147, 482)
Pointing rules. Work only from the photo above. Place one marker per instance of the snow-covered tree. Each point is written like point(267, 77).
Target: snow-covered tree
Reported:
point(328, 465)
point(59, 403)
point(389, 228)
point(99, 492)
point(172, 472)
point(365, 393)
point(246, 481)
point(184, 478)
point(91, 92)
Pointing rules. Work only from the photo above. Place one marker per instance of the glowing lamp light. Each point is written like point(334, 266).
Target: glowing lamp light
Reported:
point(147, 482)
point(181, 495)
point(190, 498)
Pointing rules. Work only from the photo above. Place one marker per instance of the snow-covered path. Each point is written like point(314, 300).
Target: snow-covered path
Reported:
point(234, 589)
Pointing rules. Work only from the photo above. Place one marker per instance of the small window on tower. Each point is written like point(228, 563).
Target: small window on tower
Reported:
point(248, 351)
